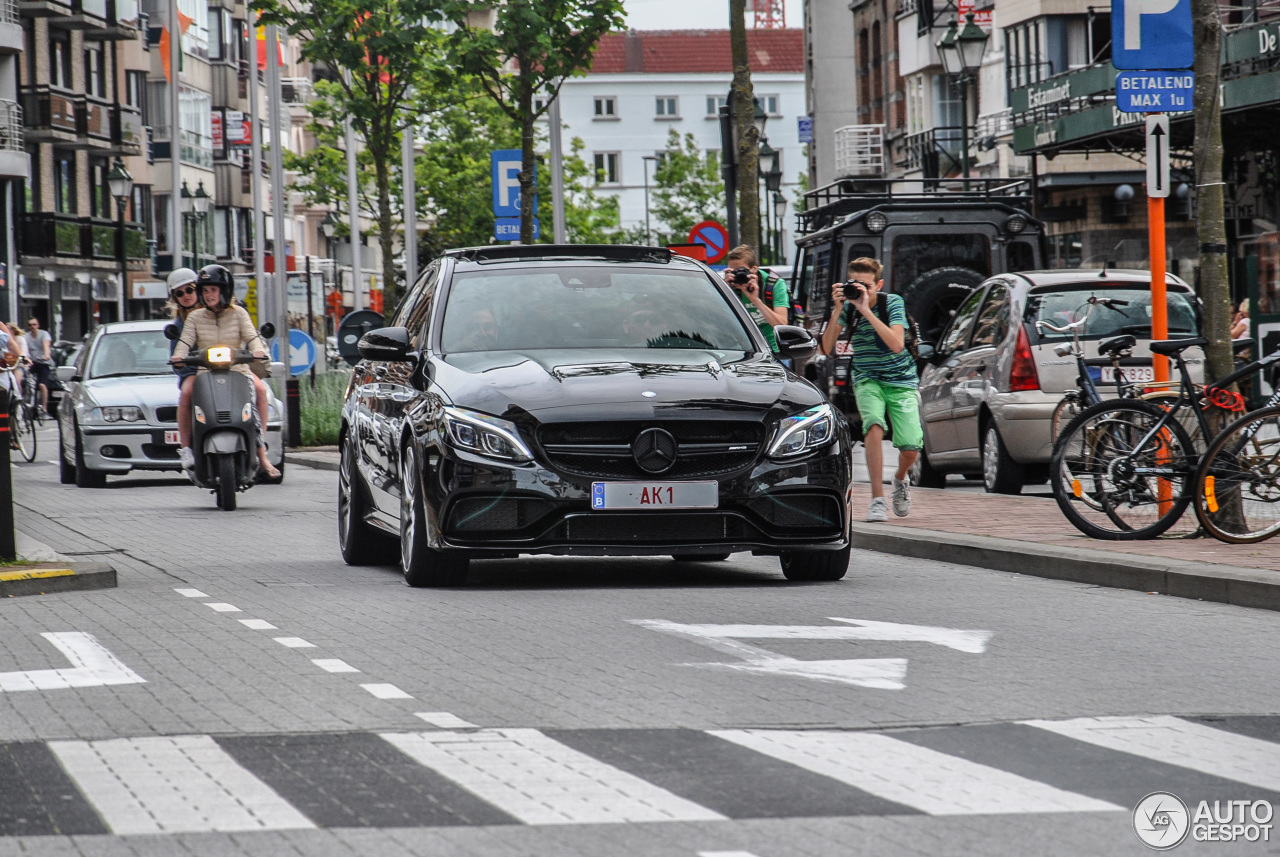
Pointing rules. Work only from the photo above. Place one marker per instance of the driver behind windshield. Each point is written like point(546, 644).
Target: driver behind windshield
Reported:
point(219, 322)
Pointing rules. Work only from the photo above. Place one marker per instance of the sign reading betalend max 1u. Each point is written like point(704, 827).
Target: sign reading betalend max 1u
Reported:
point(1155, 91)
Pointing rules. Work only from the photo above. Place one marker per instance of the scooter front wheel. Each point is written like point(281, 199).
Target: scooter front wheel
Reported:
point(227, 482)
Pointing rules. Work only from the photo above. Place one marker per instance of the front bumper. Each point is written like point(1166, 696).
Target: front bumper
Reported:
point(490, 509)
point(121, 448)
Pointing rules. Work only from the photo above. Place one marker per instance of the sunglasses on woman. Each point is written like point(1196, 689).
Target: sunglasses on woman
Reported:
point(184, 291)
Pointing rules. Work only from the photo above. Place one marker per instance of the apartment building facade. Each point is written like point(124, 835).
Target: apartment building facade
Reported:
point(14, 162)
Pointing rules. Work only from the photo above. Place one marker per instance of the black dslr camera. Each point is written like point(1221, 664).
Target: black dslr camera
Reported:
point(852, 288)
point(741, 276)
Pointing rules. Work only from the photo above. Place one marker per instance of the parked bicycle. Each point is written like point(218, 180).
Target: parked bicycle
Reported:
point(1125, 469)
point(23, 410)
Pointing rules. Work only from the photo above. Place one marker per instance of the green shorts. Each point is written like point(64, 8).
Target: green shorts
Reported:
point(876, 398)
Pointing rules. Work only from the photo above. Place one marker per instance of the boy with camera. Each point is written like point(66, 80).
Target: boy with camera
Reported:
point(743, 275)
point(884, 377)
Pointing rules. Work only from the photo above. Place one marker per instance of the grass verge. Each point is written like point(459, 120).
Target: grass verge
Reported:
point(321, 408)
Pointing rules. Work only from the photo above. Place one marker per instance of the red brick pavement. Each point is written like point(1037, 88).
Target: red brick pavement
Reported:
point(1038, 519)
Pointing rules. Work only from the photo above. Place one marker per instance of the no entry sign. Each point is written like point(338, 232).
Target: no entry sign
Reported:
point(714, 236)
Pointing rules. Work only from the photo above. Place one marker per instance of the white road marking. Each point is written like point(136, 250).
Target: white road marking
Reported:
point(386, 691)
point(92, 665)
point(294, 642)
point(1179, 742)
point(222, 607)
point(725, 854)
point(541, 781)
point(932, 782)
point(258, 624)
point(882, 673)
point(180, 784)
point(191, 593)
point(444, 720)
point(333, 665)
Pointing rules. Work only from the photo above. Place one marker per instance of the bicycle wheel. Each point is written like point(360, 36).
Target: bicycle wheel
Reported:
point(23, 431)
point(1123, 470)
point(1064, 413)
point(1237, 488)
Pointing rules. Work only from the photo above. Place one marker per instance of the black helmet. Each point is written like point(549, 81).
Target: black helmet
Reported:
point(217, 275)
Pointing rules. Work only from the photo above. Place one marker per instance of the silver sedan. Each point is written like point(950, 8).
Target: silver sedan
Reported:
point(120, 410)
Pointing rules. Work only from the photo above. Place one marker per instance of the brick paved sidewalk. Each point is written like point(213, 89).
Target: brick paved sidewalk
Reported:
point(1038, 519)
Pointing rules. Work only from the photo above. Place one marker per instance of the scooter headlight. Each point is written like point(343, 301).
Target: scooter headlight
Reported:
point(246, 413)
point(220, 354)
point(198, 413)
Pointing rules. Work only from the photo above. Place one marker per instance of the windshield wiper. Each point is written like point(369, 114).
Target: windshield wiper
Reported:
point(126, 375)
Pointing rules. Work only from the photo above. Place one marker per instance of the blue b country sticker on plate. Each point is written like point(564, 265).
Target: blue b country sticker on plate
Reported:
point(597, 495)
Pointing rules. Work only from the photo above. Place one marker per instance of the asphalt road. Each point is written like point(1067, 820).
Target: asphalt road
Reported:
point(243, 692)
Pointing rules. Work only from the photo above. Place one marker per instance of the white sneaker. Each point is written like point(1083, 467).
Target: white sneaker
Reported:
point(901, 498)
point(187, 457)
point(879, 510)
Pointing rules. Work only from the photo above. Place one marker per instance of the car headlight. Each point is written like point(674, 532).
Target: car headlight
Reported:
point(121, 414)
point(273, 412)
point(803, 432)
point(484, 435)
point(876, 222)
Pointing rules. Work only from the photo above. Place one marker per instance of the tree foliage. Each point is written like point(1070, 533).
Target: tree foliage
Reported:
point(688, 191)
point(531, 48)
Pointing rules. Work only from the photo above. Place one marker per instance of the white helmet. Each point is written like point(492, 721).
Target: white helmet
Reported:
point(180, 277)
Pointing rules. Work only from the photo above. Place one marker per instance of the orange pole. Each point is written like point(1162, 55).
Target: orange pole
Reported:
point(1159, 301)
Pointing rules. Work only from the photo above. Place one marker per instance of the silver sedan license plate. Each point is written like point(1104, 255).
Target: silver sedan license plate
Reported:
point(655, 495)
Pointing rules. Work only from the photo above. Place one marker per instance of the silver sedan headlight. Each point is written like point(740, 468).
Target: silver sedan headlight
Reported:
point(484, 435)
point(803, 432)
point(115, 414)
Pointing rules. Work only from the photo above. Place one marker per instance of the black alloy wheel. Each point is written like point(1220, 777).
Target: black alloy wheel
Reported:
point(422, 565)
point(359, 542)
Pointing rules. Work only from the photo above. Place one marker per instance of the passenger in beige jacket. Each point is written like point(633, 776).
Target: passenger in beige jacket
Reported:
point(220, 322)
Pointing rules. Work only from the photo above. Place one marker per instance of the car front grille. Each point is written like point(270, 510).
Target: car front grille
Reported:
point(799, 514)
point(494, 514)
point(603, 450)
point(641, 528)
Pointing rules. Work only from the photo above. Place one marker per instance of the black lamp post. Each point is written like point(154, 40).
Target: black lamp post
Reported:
point(120, 183)
point(729, 160)
point(329, 226)
point(779, 210)
point(648, 235)
point(961, 50)
point(200, 204)
point(184, 205)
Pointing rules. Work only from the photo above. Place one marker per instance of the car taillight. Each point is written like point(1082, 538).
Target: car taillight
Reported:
point(1023, 375)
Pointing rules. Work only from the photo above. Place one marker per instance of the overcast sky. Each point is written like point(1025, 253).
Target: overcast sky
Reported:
point(693, 14)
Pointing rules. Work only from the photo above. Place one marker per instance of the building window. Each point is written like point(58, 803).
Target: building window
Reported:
point(60, 59)
point(95, 71)
point(769, 104)
point(666, 107)
point(64, 182)
point(607, 167)
point(539, 103)
point(100, 202)
point(714, 103)
point(606, 107)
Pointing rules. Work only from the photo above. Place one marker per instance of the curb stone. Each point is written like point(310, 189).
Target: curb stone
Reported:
point(316, 461)
point(1242, 587)
point(64, 577)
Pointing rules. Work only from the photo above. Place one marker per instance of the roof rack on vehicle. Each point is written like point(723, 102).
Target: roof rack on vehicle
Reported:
point(610, 252)
point(825, 205)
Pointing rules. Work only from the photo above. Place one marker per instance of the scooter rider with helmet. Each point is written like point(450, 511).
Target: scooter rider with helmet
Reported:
point(184, 299)
point(220, 322)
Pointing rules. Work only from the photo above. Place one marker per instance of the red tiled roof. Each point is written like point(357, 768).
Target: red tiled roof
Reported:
point(696, 51)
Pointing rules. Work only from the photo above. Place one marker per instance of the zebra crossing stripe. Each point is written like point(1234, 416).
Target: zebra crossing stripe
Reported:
point(1175, 741)
point(932, 782)
point(182, 784)
point(540, 781)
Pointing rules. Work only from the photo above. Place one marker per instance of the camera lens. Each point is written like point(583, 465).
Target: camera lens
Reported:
point(742, 276)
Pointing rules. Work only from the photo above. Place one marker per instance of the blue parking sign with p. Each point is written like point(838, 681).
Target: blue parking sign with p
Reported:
point(506, 183)
point(1151, 34)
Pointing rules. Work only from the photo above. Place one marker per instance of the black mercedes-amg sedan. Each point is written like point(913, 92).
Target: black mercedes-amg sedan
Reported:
point(586, 400)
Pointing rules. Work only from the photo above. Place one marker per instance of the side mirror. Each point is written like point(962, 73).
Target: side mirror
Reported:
point(387, 344)
point(172, 332)
point(794, 342)
point(65, 373)
point(267, 330)
point(279, 370)
point(926, 350)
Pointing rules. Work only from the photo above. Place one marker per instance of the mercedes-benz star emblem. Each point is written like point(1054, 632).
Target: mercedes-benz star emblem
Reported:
point(654, 449)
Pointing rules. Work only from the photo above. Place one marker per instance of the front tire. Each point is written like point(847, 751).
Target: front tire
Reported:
point(422, 565)
point(922, 474)
point(228, 482)
point(22, 426)
point(1000, 473)
point(66, 469)
point(86, 478)
point(359, 543)
point(815, 565)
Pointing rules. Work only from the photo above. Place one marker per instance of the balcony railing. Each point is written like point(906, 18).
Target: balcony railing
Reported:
point(995, 124)
point(47, 109)
point(196, 149)
point(9, 12)
point(296, 90)
point(10, 126)
point(128, 135)
point(934, 153)
point(45, 235)
point(860, 151)
point(93, 118)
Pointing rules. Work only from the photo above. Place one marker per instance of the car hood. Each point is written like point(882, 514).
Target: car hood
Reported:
point(634, 383)
point(150, 391)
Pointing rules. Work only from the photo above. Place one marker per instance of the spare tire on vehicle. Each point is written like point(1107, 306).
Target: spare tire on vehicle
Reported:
point(934, 296)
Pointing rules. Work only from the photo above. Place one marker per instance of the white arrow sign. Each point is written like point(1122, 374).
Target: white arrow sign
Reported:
point(91, 666)
point(883, 673)
point(1158, 155)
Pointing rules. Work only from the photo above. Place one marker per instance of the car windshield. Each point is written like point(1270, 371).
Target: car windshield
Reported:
point(138, 352)
point(1129, 311)
point(596, 306)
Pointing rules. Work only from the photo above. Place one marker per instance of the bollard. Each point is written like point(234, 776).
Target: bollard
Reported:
point(8, 541)
point(293, 403)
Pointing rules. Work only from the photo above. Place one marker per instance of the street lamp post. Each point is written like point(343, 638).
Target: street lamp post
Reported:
point(200, 203)
point(779, 213)
point(329, 226)
point(961, 50)
point(648, 235)
point(120, 183)
point(768, 166)
point(184, 203)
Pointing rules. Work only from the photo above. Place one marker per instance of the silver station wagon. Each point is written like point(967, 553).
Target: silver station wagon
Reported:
point(987, 395)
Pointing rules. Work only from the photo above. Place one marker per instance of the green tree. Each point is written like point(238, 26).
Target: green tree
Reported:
point(688, 191)
point(382, 50)
point(533, 46)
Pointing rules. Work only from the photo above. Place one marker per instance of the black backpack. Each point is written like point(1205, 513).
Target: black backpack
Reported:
point(910, 333)
point(767, 279)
